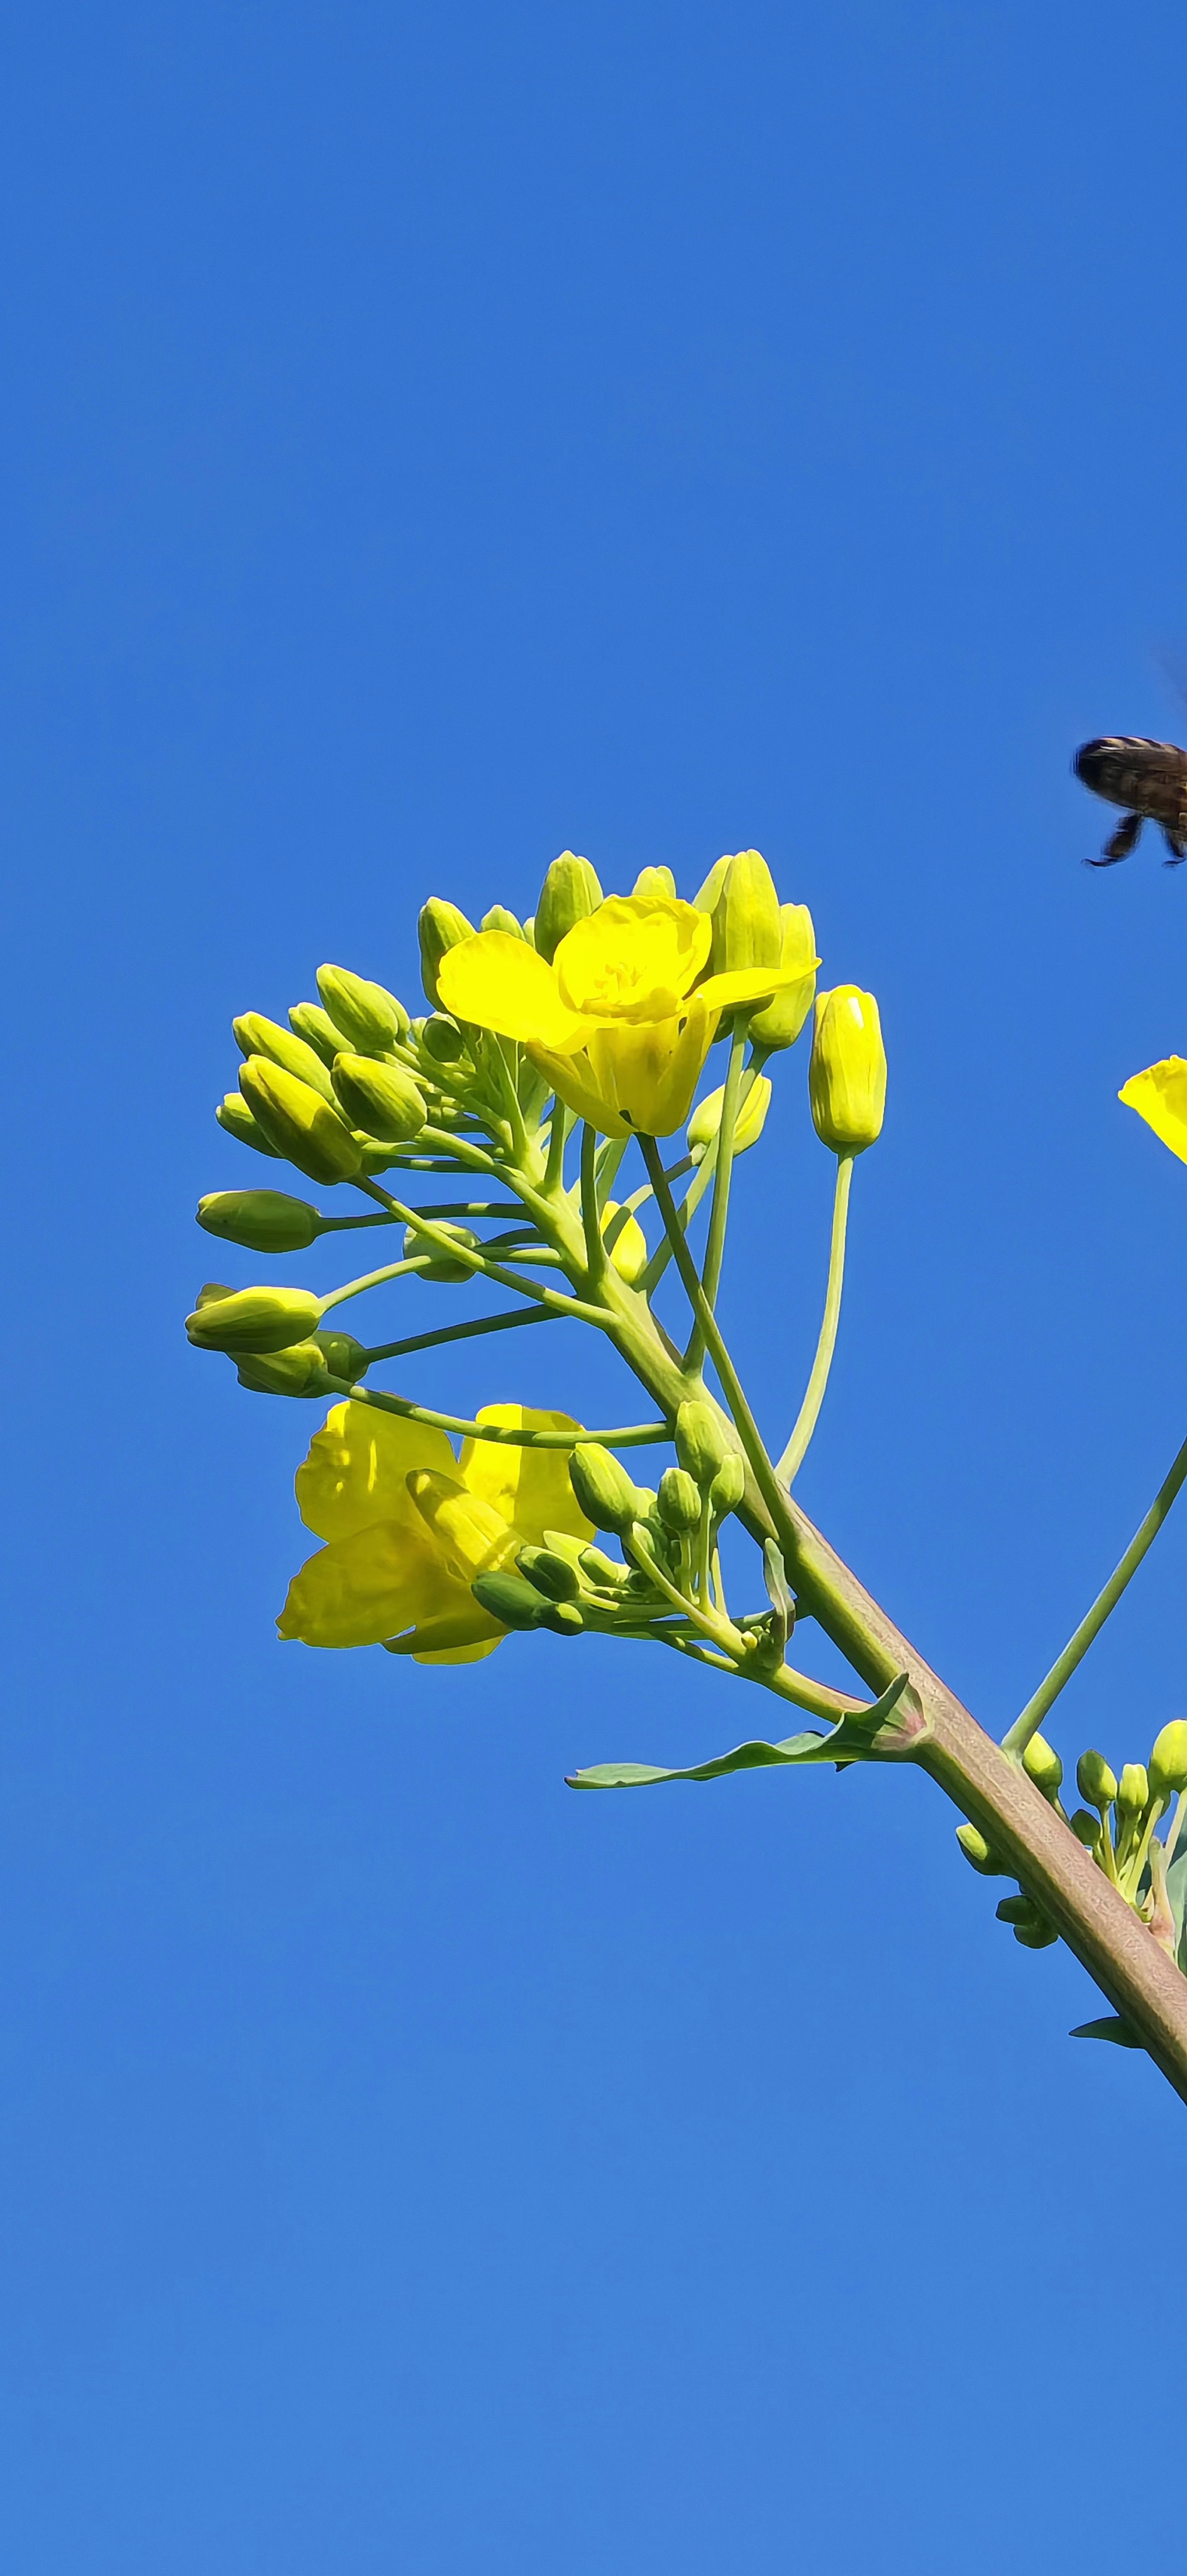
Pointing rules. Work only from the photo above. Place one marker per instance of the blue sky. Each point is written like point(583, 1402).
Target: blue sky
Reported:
point(434, 439)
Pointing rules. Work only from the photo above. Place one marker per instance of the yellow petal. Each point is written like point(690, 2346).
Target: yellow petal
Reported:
point(572, 1080)
point(1159, 1095)
point(357, 1470)
point(461, 1637)
point(748, 984)
point(472, 1536)
point(362, 1589)
point(652, 1073)
point(633, 959)
point(529, 1487)
point(497, 982)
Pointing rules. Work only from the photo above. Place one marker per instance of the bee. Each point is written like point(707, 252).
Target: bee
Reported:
point(1149, 777)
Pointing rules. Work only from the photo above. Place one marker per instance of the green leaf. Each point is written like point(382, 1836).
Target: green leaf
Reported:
point(1110, 2026)
point(852, 1739)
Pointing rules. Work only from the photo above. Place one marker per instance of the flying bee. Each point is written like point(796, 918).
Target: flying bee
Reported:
point(1150, 778)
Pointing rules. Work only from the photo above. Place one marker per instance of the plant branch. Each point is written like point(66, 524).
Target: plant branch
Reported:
point(809, 1412)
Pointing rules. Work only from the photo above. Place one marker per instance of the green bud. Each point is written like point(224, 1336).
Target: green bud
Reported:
point(441, 926)
point(211, 1290)
point(779, 1023)
point(381, 1100)
point(254, 1319)
point(979, 1853)
point(343, 1356)
point(1087, 1829)
point(728, 1486)
point(603, 1488)
point(264, 1220)
point(233, 1114)
point(551, 1574)
point(300, 1370)
point(563, 1618)
point(655, 881)
point(317, 1028)
point(701, 1445)
point(706, 900)
point(748, 1126)
point(570, 892)
point(447, 1273)
point(507, 1598)
point(747, 930)
point(1018, 1909)
point(254, 1035)
point(1039, 1935)
point(600, 1569)
point(679, 1500)
point(298, 1123)
point(498, 918)
point(370, 1018)
point(1133, 1790)
point(1042, 1765)
point(1168, 1761)
point(441, 1039)
point(1095, 1781)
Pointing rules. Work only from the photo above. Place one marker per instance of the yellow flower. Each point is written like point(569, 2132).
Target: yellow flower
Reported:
point(847, 1071)
point(1159, 1095)
point(618, 1022)
point(408, 1527)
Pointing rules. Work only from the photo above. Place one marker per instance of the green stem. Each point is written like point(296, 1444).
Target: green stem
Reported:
point(461, 1333)
point(595, 1250)
point(809, 1412)
point(558, 1135)
point(1090, 1626)
point(721, 1631)
point(630, 1435)
point(711, 1274)
point(482, 1269)
point(374, 1279)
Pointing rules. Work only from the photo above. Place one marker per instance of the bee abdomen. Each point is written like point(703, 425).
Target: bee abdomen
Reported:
point(1129, 769)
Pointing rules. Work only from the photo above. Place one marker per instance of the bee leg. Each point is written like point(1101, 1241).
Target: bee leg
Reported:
point(1124, 839)
point(1177, 846)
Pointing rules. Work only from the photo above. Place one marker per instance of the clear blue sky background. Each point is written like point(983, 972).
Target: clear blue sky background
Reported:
point(433, 438)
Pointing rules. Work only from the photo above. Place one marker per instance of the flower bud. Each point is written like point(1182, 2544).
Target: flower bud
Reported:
point(979, 1853)
point(626, 1243)
point(655, 881)
point(298, 1122)
point(748, 1126)
point(254, 1319)
point(440, 926)
point(234, 1115)
point(706, 899)
point(602, 1487)
point(728, 1486)
point(317, 1028)
point(847, 1072)
point(601, 1570)
point(1168, 1761)
point(507, 1598)
point(498, 918)
point(747, 930)
point(551, 1574)
point(439, 1267)
point(1039, 1935)
point(1087, 1829)
point(1095, 1781)
point(678, 1500)
point(370, 1018)
point(1041, 1764)
point(701, 1445)
point(254, 1035)
point(563, 1618)
point(569, 893)
point(379, 1099)
point(779, 1022)
point(441, 1039)
point(264, 1220)
point(1133, 1790)
point(1018, 1909)
point(304, 1369)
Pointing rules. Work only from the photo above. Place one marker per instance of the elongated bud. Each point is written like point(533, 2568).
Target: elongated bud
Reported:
point(847, 1072)
point(265, 1220)
point(626, 1243)
point(507, 1598)
point(441, 926)
point(678, 1500)
point(601, 1569)
point(1095, 1781)
point(746, 927)
point(1039, 1935)
point(602, 1487)
point(706, 899)
point(298, 1122)
point(1133, 1790)
point(1087, 1829)
point(254, 1035)
point(701, 1445)
point(779, 1023)
point(254, 1319)
point(380, 1099)
point(655, 881)
point(1019, 1909)
point(440, 1039)
point(1041, 1764)
point(370, 1018)
point(306, 1368)
point(498, 918)
point(748, 1126)
point(569, 893)
point(728, 1486)
point(310, 1022)
point(551, 1574)
point(979, 1853)
point(233, 1114)
point(447, 1273)
point(1168, 1761)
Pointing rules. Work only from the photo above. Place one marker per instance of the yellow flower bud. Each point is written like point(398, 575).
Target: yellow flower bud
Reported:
point(626, 1243)
point(254, 1319)
point(847, 1072)
point(570, 892)
point(1133, 1790)
point(440, 927)
point(309, 1021)
point(603, 1488)
point(370, 1018)
point(779, 1022)
point(655, 881)
point(233, 1114)
point(706, 1118)
point(264, 1220)
point(439, 1267)
point(747, 930)
point(254, 1035)
point(701, 1446)
point(1041, 1764)
point(1168, 1761)
point(379, 1099)
point(498, 918)
point(979, 1853)
point(1095, 1781)
point(706, 899)
point(298, 1122)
